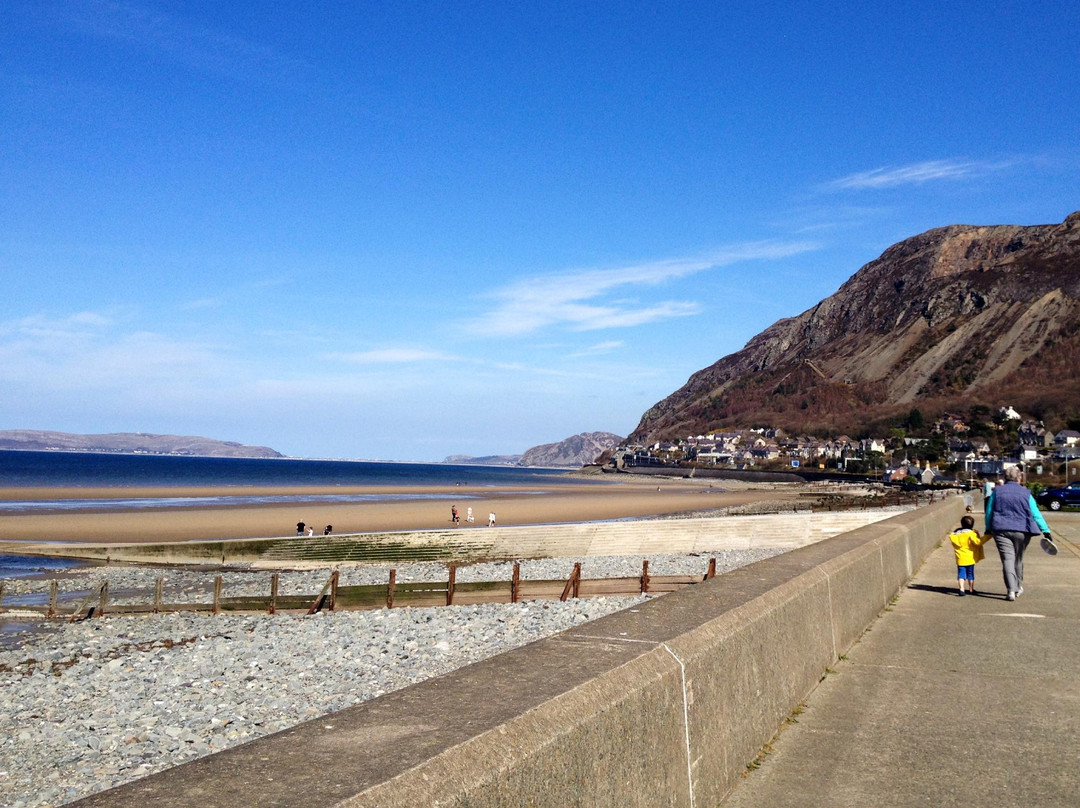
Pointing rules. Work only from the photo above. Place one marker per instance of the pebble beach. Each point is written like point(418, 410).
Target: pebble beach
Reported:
point(89, 705)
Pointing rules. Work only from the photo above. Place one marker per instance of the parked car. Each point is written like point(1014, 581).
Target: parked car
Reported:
point(1057, 498)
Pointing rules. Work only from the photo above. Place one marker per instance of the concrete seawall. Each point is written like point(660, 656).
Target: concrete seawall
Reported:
point(662, 704)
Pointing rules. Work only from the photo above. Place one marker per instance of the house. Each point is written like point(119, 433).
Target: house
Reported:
point(928, 476)
point(1035, 434)
point(1026, 453)
point(1067, 437)
point(872, 445)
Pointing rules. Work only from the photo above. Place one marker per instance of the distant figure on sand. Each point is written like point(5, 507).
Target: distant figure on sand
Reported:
point(468, 515)
point(300, 528)
point(454, 514)
point(311, 531)
point(491, 519)
point(327, 529)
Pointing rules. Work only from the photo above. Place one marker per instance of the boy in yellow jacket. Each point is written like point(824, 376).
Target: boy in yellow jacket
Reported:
point(967, 544)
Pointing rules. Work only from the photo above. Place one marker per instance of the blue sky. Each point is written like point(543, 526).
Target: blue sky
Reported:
point(408, 230)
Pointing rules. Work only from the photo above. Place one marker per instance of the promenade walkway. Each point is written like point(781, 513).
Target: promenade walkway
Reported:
point(947, 700)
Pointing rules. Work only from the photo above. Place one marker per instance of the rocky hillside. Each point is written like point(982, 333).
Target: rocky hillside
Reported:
point(128, 443)
point(576, 451)
point(957, 316)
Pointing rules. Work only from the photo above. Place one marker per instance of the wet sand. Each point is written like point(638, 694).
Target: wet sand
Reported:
point(513, 505)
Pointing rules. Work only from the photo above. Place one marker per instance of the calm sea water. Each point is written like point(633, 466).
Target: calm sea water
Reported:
point(90, 470)
point(78, 469)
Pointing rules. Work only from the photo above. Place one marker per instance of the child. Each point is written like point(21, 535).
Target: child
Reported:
point(967, 544)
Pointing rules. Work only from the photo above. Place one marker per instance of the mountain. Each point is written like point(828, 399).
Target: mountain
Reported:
point(486, 460)
point(128, 443)
point(957, 316)
point(576, 451)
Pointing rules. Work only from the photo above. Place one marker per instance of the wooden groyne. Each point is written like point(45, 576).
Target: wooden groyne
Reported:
point(392, 594)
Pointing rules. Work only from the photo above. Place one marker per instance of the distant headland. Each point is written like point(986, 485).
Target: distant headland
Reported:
point(31, 440)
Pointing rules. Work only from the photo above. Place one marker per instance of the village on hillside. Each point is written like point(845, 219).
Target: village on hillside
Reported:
point(953, 450)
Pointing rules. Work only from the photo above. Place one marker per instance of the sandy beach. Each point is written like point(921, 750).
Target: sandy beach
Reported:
point(514, 505)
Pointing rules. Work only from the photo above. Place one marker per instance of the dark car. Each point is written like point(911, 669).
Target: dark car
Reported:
point(1057, 498)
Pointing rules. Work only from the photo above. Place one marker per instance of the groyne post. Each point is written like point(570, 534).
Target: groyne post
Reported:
point(390, 586)
point(273, 593)
point(572, 583)
point(450, 585)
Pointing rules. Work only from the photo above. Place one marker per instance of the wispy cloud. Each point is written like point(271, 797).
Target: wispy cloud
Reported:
point(394, 356)
point(170, 35)
point(914, 174)
point(581, 300)
point(69, 328)
point(88, 350)
point(599, 349)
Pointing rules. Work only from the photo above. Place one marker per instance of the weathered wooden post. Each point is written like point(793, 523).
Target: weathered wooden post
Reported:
point(571, 587)
point(273, 593)
point(391, 584)
point(159, 595)
point(333, 589)
point(54, 589)
point(103, 597)
point(216, 608)
point(644, 576)
point(450, 585)
point(712, 569)
point(515, 583)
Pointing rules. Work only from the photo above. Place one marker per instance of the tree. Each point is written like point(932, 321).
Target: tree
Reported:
point(915, 420)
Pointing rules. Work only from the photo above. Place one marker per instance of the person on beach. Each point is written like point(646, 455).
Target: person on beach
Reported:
point(967, 545)
point(468, 515)
point(327, 529)
point(1012, 517)
point(300, 528)
point(491, 519)
point(454, 514)
point(311, 531)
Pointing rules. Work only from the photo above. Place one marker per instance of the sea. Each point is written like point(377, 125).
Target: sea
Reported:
point(19, 469)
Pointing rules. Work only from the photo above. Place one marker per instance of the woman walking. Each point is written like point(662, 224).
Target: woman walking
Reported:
point(1013, 518)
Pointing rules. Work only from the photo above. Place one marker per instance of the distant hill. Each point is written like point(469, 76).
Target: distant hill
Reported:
point(128, 443)
point(574, 452)
point(487, 460)
point(955, 317)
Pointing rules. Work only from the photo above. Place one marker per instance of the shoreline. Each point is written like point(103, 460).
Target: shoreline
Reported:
point(517, 504)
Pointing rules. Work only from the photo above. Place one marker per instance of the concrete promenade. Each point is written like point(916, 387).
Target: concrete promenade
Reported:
point(946, 700)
